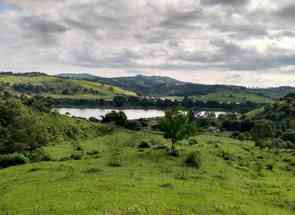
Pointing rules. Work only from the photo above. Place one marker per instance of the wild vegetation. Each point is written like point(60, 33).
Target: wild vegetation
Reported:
point(181, 164)
point(58, 88)
point(27, 125)
point(115, 174)
point(169, 87)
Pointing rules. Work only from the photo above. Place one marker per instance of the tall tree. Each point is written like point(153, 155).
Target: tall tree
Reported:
point(177, 126)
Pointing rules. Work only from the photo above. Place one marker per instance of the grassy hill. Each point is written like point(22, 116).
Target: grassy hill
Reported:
point(169, 87)
point(114, 176)
point(228, 96)
point(56, 87)
point(237, 97)
point(83, 167)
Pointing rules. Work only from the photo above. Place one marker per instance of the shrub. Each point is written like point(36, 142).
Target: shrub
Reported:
point(133, 125)
point(93, 171)
point(281, 144)
point(227, 156)
point(193, 159)
point(261, 132)
point(94, 152)
point(193, 142)
point(14, 159)
point(144, 122)
point(241, 136)
point(20, 129)
point(270, 166)
point(39, 155)
point(119, 118)
point(115, 162)
point(263, 143)
point(289, 136)
point(120, 101)
point(161, 146)
point(77, 156)
point(93, 119)
point(144, 145)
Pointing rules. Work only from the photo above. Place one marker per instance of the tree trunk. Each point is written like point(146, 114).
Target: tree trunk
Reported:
point(173, 149)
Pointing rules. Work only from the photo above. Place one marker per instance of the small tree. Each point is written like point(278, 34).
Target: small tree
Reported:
point(262, 132)
point(119, 118)
point(176, 126)
point(120, 101)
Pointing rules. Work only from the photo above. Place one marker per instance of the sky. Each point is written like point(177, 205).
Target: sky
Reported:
point(236, 42)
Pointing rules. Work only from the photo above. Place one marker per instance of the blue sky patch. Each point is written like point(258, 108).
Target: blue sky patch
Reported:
point(4, 7)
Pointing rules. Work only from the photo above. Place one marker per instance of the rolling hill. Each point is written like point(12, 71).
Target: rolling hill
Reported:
point(114, 176)
point(53, 164)
point(57, 87)
point(169, 87)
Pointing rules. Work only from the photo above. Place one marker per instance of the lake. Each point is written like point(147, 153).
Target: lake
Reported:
point(98, 113)
point(130, 113)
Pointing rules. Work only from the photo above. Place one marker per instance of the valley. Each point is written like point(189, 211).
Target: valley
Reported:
point(111, 161)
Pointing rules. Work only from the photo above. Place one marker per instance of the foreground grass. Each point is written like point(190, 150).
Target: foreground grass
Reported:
point(114, 176)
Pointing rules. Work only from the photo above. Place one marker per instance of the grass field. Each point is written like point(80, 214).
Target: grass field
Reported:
point(233, 97)
point(104, 91)
point(113, 176)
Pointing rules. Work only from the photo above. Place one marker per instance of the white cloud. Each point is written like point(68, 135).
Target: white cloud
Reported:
point(208, 41)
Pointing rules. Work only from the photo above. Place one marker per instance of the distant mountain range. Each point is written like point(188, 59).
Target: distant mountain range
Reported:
point(168, 87)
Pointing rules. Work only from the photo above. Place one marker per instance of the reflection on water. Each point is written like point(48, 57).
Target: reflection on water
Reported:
point(98, 113)
point(130, 113)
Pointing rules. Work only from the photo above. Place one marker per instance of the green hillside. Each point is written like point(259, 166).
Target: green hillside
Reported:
point(236, 97)
point(115, 177)
point(56, 87)
point(169, 87)
point(53, 164)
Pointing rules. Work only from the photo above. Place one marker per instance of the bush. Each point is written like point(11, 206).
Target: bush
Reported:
point(77, 156)
point(144, 145)
point(193, 142)
point(193, 159)
point(20, 129)
point(289, 136)
point(94, 152)
point(119, 118)
point(241, 136)
point(282, 144)
point(39, 155)
point(93, 119)
point(115, 162)
point(14, 159)
point(264, 143)
point(133, 125)
point(262, 130)
point(227, 156)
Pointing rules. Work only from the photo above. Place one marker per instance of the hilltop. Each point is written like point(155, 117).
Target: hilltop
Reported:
point(59, 88)
point(169, 87)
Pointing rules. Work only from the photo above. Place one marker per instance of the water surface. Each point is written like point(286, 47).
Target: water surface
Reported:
point(130, 113)
point(98, 112)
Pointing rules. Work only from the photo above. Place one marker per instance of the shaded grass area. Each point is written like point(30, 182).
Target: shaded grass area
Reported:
point(234, 178)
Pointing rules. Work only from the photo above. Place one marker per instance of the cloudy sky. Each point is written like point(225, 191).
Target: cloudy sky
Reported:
point(240, 42)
